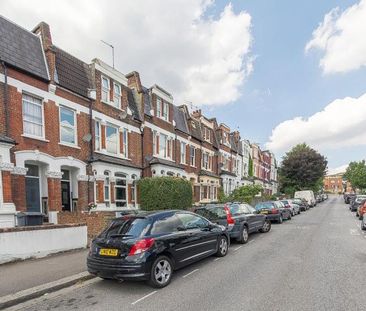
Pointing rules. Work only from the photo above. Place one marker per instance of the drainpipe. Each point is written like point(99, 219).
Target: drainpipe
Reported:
point(6, 99)
point(91, 145)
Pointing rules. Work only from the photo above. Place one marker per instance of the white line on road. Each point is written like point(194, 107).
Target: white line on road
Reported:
point(148, 295)
point(188, 274)
point(251, 241)
point(216, 259)
point(354, 232)
point(239, 247)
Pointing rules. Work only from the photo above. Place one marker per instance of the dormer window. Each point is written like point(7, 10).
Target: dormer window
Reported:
point(162, 109)
point(105, 89)
point(117, 95)
point(207, 134)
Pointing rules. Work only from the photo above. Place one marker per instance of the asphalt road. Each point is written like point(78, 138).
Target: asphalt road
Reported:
point(316, 261)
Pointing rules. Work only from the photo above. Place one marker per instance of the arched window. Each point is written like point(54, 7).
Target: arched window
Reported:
point(120, 189)
point(153, 172)
point(162, 172)
point(107, 189)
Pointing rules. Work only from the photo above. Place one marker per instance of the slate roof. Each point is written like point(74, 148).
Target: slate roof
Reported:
point(165, 162)
point(22, 49)
point(72, 73)
point(206, 173)
point(5, 139)
point(112, 160)
point(223, 172)
point(195, 128)
point(180, 120)
point(133, 105)
point(147, 101)
point(233, 144)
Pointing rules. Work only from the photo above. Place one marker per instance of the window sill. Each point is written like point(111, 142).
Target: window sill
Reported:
point(114, 155)
point(69, 145)
point(110, 103)
point(36, 138)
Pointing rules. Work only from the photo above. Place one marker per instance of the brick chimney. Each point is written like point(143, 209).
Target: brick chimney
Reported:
point(197, 113)
point(43, 30)
point(134, 83)
point(236, 135)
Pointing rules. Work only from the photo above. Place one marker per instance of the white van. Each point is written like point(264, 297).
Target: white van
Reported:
point(308, 195)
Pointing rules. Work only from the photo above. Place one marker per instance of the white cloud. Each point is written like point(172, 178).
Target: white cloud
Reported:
point(196, 57)
point(342, 123)
point(341, 36)
point(337, 170)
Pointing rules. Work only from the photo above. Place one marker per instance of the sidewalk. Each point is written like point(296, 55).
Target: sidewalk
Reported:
point(26, 274)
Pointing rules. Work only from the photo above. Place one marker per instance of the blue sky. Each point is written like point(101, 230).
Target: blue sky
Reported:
point(286, 81)
point(201, 51)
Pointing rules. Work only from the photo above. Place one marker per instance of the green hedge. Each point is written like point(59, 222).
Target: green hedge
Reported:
point(162, 193)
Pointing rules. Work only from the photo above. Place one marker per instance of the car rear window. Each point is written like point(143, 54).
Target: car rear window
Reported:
point(211, 212)
point(263, 206)
point(127, 226)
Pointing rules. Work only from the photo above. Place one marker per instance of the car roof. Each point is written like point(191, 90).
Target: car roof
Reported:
point(151, 214)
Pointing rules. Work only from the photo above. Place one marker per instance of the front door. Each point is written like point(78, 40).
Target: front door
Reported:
point(65, 195)
point(32, 189)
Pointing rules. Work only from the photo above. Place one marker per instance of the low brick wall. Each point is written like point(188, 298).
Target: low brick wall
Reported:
point(95, 221)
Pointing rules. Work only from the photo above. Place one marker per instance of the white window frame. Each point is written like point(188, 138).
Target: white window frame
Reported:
point(165, 115)
point(159, 107)
point(125, 143)
point(106, 139)
point(42, 110)
point(165, 149)
point(69, 127)
point(107, 184)
point(116, 177)
point(183, 152)
point(104, 89)
point(117, 96)
point(97, 125)
point(194, 156)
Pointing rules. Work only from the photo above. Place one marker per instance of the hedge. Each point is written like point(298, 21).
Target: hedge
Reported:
point(162, 193)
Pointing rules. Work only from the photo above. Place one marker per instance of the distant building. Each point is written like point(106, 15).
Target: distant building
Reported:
point(335, 184)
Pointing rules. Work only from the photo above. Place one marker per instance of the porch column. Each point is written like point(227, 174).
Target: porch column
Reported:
point(18, 188)
point(54, 191)
point(7, 207)
point(85, 181)
point(99, 180)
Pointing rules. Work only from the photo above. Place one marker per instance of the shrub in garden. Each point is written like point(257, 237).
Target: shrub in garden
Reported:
point(164, 193)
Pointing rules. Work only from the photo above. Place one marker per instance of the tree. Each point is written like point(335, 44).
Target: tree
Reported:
point(245, 193)
point(302, 168)
point(356, 174)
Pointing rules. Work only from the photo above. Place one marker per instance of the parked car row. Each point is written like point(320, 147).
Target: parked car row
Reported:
point(151, 245)
point(357, 204)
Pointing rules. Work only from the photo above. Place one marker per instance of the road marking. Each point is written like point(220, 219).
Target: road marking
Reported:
point(216, 259)
point(188, 274)
point(251, 241)
point(148, 295)
point(354, 232)
point(239, 247)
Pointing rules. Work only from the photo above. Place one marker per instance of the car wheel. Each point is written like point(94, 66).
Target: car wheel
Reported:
point(289, 216)
point(280, 220)
point(161, 272)
point(244, 235)
point(363, 224)
point(223, 247)
point(266, 227)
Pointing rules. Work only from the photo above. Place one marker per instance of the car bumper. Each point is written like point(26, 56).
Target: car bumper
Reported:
point(117, 269)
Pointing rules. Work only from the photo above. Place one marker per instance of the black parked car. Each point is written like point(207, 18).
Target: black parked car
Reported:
point(240, 219)
point(274, 210)
point(304, 206)
point(151, 245)
point(359, 199)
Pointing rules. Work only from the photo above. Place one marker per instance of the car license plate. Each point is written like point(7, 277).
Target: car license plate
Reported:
point(108, 252)
point(264, 212)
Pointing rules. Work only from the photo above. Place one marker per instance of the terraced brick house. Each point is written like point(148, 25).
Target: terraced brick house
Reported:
point(73, 133)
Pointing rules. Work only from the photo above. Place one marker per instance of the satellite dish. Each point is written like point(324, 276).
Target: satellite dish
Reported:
point(123, 114)
point(87, 138)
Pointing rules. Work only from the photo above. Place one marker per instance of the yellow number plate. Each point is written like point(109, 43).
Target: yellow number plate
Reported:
point(108, 252)
point(264, 212)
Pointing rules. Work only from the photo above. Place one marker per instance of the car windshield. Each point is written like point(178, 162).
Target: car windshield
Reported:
point(265, 205)
point(211, 212)
point(127, 227)
point(360, 199)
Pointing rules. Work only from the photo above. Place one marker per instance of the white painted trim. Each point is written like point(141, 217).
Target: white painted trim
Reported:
point(106, 119)
point(44, 56)
point(162, 95)
point(54, 163)
point(110, 72)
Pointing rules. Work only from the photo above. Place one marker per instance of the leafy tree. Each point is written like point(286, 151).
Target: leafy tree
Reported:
point(302, 168)
point(356, 174)
point(250, 168)
point(245, 193)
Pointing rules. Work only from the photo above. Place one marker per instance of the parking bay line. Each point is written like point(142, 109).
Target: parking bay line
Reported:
point(142, 298)
point(239, 247)
point(188, 274)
